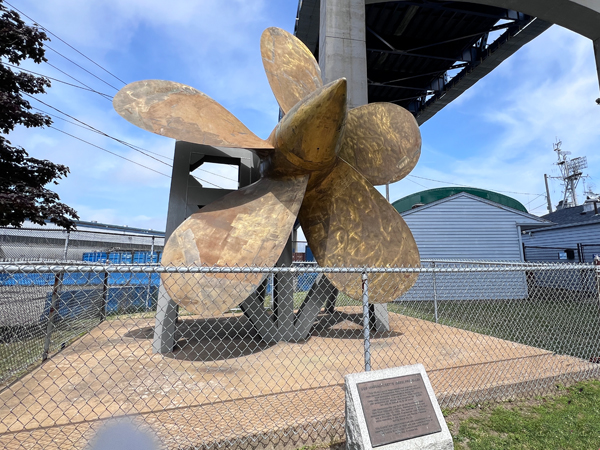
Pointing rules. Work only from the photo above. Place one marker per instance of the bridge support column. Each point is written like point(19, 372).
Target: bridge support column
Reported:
point(343, 53)
point(597, 53)
point(342, 46)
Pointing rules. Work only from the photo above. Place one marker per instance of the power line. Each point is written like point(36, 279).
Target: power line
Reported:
point(105, 96)
point(126, 159)
point(535, 198)
point(538, 207)
point(55, 79)
point(88, 127)
point(82, 68)
point(108, 151)
point(65, 42)
point(462, 185)
point(101, 132)
point(419, 184)
point(127, 144)
point(218, 175)
point(205, 181)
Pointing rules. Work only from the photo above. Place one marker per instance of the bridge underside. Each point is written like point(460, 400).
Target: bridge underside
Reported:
point(423, 54)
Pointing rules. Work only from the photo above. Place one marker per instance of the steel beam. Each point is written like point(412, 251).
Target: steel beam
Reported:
point(470, 75)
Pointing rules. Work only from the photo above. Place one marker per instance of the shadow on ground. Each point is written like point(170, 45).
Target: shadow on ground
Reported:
point(222, 338)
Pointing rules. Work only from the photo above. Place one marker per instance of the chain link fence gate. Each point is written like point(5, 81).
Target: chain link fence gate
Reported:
point(77, 347)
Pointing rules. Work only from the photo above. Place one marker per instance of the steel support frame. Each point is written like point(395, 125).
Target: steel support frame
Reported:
point(187, 195)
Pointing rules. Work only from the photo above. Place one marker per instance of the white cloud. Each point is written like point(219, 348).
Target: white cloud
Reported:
point(497, 136)
point(511, 118)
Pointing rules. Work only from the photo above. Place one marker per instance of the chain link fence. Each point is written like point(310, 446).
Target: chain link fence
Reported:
point(578, 253)
point(38, 244)
point(78, 346)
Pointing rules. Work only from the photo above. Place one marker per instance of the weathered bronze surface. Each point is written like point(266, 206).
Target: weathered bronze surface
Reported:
point(184, 113)
point(348, 223)
point(318, 149)
point(292, 70)
point(307, 137)
point(248, 227)
point(382, 141)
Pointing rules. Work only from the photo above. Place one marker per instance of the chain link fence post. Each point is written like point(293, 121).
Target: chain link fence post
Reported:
point(104, 297)
point(366, 321)
point(66, 250)
point(149, 290)
point(52, 314)
point(522, 328)
point(435, 305)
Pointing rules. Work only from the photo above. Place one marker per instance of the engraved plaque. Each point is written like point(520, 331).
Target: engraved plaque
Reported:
point(397, 409)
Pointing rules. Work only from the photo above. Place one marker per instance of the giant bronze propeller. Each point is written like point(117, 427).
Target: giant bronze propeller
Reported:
point(319, 164)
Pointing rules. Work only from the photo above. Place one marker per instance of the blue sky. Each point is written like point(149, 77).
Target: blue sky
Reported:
point(497, 136)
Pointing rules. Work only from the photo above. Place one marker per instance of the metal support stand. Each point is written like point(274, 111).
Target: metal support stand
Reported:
point(380, 318)
point(331, 293)
point(187, 195)
point(284, 324)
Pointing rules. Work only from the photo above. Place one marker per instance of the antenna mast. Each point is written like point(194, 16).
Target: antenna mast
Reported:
point(570, 174)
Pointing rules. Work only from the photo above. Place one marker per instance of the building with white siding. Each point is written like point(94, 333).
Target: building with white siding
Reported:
point(574, 237)
point(468, 227)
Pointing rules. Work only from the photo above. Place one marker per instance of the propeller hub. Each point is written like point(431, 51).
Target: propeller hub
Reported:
point(307, 138)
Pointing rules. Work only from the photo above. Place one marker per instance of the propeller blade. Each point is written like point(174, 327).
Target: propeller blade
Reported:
point(291, 68)
point(382, 141)
point(348, 223)
point(249, 226)
point(183, 113)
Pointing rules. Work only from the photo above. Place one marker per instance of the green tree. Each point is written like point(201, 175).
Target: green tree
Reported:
point(23, 179)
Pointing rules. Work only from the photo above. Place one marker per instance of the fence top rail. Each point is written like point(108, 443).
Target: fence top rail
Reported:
point(11, 231)
point(132, 268)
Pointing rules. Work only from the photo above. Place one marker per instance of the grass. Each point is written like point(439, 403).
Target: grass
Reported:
point(567, 420)
point(550, 319)
point(22, 347)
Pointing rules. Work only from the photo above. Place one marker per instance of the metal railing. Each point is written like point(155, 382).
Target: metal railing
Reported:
point(77, 345)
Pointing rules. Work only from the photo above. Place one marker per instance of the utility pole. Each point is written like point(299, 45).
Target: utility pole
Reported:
point(548, 194)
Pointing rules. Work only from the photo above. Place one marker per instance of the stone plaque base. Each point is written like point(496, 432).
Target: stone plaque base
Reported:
point(394, 409)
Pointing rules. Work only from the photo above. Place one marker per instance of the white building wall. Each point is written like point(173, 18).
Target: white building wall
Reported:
point(465, 227)
point(567, 237)
point(560, 239)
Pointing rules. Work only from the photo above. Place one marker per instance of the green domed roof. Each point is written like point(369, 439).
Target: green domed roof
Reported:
point(432, 195)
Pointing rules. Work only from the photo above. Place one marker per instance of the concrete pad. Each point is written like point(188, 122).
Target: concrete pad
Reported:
point(224, 386)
